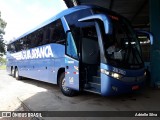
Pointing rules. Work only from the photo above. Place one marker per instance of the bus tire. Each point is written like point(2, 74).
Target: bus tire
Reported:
point(12, 72)
point(17, 74)
point(66, 91)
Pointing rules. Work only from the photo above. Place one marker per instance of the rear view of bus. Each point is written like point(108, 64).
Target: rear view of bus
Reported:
point(107, 53)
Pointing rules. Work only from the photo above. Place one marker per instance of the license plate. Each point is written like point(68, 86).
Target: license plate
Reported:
point(136, 87)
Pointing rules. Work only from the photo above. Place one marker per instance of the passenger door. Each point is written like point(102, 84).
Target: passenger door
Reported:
point(71, 63)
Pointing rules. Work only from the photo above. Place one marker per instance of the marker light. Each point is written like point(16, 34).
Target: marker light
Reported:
point(75, 67)
point(104, 71)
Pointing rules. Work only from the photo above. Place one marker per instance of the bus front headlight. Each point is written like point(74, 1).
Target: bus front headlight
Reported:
point(116, 75)
point(112, 74)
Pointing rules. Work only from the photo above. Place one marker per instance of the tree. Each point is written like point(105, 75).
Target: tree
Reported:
point(2, 61)
point(2, 44)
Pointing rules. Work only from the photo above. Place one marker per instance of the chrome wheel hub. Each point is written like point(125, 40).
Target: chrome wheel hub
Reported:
point(63, 85)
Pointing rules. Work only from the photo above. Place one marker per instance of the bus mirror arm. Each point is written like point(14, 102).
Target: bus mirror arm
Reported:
point(103, 18)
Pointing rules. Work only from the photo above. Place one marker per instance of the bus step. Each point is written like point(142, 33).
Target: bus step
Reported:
point(86, 86)
point(93, 87)
point(96, 79)
point(94, 84)
point(88, 90)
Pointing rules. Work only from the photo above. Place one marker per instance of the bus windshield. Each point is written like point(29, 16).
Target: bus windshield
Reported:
point(121, 48)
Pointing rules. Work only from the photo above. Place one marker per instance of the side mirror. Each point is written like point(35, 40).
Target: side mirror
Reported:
point(103, 18)
point(145, 35)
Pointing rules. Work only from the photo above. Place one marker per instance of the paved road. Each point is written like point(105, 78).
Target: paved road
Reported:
point(11, 90)
point(38, 96)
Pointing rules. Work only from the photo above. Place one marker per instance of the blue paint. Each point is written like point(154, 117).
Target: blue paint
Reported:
point(122, 87)
point(43, 69)
point(71, 74)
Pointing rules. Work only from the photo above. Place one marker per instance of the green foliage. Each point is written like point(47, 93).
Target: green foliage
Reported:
point(2, 44)
point(2, 67)
point(2, 61)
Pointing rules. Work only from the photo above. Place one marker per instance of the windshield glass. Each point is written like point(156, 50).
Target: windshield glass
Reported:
point(122, 48)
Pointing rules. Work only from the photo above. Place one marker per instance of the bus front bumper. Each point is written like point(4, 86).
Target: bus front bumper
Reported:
point(111, 86)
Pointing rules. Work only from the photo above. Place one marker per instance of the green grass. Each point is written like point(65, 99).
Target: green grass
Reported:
point(2, 67)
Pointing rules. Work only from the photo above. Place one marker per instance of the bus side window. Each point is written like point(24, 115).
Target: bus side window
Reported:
point(37, 38)
point(52, 35)
point(46, 36)
point(25, 41)
point(18, 46)
point(21, 43)
point(40, 37)
point(36, 42)
point(71, 48)
point(28, 42)
point(12, 47)
point(57, 32)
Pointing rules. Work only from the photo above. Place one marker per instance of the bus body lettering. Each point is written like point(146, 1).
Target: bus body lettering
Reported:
point(41, 52)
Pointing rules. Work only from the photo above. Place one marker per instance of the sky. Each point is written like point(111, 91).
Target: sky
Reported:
point(23, 15)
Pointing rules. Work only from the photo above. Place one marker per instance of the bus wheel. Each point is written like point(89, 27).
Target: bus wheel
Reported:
point(12, 72)
point(66, 91)
point(17, 75)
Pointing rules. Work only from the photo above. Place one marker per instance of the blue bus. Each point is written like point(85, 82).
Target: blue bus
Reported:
point(84, 48)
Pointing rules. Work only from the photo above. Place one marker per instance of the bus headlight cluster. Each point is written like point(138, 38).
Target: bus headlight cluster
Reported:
point(115, 75)
point(112, 74)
